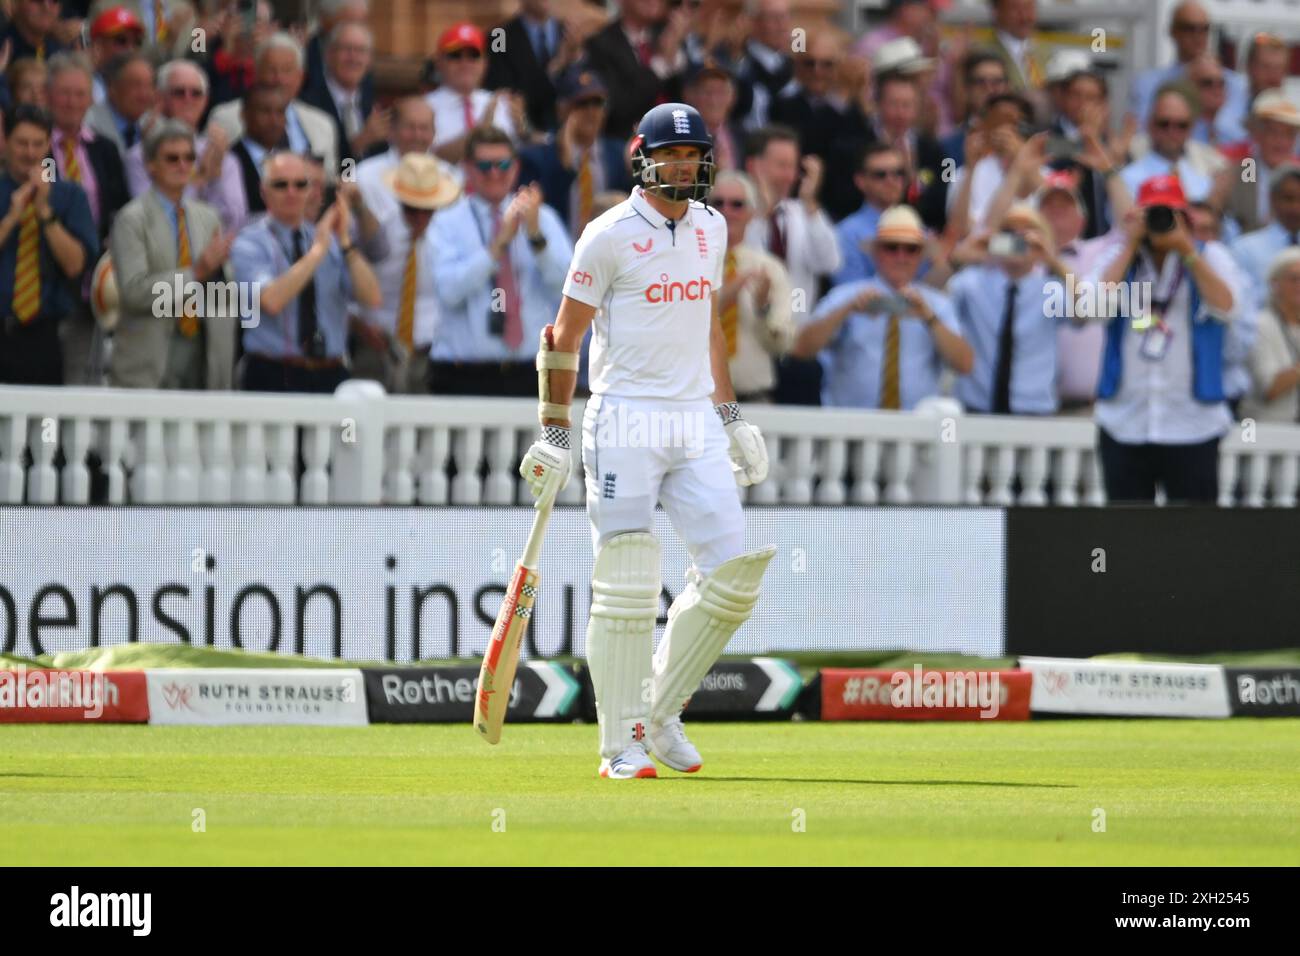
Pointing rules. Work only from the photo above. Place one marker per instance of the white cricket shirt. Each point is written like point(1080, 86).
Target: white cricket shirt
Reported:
point(653, 288)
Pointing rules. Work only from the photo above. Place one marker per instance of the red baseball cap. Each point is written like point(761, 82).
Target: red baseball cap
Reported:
point(1162, 191)
point(461, 36)
point(115, 20)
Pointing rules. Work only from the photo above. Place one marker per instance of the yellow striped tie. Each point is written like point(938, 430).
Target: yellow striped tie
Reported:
point(889, 397)
point(586, 190)
point(188, 324)
point(40, 52)
point(27, 271)
point(731, 313)
point(71, 168)
point(159, 21)
point(1035, 78)
point(406, 307)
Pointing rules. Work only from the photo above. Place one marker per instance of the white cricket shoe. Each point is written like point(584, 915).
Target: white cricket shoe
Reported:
point(628, 764)
point(671, 747)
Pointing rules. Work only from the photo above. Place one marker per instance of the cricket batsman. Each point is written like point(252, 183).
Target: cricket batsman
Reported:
point(647, 273)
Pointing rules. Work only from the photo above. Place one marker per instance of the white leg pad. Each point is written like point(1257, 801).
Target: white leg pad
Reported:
point(620, 636)
point(700, 623)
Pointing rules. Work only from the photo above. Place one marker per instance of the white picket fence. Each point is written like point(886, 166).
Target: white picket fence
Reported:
point(361, 446)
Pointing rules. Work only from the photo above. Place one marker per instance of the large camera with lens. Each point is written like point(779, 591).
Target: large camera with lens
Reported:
point(1160, 219)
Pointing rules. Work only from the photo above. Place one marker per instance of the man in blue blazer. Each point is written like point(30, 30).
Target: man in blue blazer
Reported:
point(576, 163)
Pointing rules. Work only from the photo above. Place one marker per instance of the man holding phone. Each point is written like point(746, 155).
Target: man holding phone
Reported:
point(884, 341)
point(1161, 409)
point(1002, 306)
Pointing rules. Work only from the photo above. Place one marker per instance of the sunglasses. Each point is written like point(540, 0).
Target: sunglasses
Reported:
point(988, 81)
point(1210, 83)
point(466, 54)
point(174, 158)
point(1192, 27)
point(487, 165)
point(186, 92)
point(124, 40)
point(280, 185)
point(898, 173)
point(415, 210)
point(731, 204)
point(1166, 124)
point(895, 248)
point(819, 64)
point(590, 102)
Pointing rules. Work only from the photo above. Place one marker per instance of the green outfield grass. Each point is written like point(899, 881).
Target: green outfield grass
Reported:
point(1173, 792)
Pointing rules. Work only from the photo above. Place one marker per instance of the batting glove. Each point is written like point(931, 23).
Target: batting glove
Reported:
point(748, 451)
point(548, 464)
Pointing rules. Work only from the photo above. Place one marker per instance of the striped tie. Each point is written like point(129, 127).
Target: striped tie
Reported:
point(406, 307)
point(159, 21)
point(27, 272)
point(1034, 76)
point(889, 378)
point(40, 52)
point(188, 324)
point(586, 193)
point(71, 168)
point(731, 313)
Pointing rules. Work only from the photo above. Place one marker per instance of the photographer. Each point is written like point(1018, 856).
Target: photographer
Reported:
point(1003, 308)
point(1160, 402)
point(886, 340)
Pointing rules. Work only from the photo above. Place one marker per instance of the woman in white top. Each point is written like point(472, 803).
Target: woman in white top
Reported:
point(1275, 359)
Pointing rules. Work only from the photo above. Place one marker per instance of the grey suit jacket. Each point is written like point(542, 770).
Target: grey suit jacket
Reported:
point(144, 253)
point(1242, 204)
point(317, 125)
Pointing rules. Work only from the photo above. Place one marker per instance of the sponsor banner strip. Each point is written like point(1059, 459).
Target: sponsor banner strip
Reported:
point(1264, 691)
point(924, 694)
point(1126, 688)
point(542, 691)
point(229, 695)
point(50, 696)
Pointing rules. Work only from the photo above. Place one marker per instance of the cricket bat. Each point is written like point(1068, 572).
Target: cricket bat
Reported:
point(497, 675)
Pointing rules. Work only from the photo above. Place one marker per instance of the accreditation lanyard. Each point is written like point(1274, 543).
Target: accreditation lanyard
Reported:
point(1155, 343)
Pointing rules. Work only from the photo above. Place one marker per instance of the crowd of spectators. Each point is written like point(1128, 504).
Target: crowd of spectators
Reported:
point(910, 212)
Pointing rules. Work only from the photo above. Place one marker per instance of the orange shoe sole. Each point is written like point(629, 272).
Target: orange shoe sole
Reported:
point(644, 773)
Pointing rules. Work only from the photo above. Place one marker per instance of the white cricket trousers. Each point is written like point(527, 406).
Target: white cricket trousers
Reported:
point(637, 453)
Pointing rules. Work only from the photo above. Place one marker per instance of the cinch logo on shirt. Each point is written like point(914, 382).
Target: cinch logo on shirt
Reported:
point(665, 291)
point(581, 278)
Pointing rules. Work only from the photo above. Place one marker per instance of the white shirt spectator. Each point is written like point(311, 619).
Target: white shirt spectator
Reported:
point(449, 113)
point(391, 270)
point(986, 177)
point(465, 277)
point(1276, 349)
point(812, 250)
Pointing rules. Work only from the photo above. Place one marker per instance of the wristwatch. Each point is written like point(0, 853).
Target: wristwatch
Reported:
point(45, 220)
point(537, 242)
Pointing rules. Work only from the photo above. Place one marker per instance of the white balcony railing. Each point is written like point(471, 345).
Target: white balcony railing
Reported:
point(361, 446)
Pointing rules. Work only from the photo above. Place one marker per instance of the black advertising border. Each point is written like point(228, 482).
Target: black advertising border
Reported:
point(1177, 580)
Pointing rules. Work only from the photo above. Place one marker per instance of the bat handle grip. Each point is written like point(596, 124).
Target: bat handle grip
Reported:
point(532, 550)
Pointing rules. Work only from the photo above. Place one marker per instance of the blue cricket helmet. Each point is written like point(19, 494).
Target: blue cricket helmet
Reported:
point(672, 124)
